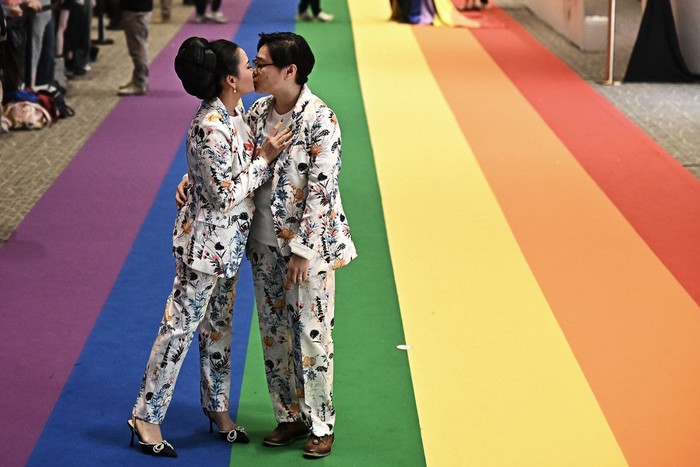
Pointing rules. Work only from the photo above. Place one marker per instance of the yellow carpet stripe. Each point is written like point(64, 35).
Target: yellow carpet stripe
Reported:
point(496, 383)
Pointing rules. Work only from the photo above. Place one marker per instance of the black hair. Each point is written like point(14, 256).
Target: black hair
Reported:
point(287, 48)
point(201, 65)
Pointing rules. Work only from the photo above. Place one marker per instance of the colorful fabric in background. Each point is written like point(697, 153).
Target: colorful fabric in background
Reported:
point(536, 304)
point(429, 12)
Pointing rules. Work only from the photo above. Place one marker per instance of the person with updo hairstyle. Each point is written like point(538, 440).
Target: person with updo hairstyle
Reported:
point(209, 238)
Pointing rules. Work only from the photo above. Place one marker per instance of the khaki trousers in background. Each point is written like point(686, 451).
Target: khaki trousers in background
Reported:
point(165, 9)
point(136, 24)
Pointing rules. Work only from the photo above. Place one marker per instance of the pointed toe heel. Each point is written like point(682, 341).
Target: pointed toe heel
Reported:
point(237, 435)
point(162, 449)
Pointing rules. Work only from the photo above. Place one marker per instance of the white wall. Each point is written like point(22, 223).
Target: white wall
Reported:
point(569, 18)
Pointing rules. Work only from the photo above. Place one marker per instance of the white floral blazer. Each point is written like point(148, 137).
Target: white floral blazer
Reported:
point(306, 208)
point(212, 228)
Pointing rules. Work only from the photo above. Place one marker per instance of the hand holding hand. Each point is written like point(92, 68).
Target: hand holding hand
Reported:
point(275, 143)
point(297, 270)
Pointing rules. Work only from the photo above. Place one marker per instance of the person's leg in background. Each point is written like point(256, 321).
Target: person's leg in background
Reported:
point(40, 21)
point(47, 59)
point(114, 14)
point(316, 11)
point(13, 77)
point(82, 55)
point(215, 15)
point(136, 24)
point(70, 37)
point(200, 7)
point(13, 55)
point(62, 15)
point(165, 10)
point(77, 39)
point(303, 10)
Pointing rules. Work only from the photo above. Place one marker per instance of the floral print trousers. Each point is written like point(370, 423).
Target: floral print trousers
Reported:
point(198, 301)
point(296, 322)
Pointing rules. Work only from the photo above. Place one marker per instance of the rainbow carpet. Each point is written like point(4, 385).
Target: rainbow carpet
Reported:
point(537, 251)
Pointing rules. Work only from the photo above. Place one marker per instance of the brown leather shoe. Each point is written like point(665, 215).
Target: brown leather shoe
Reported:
point(286, 433)
point(318, 446)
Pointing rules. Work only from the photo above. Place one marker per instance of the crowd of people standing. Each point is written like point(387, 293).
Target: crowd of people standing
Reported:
point(45, 40)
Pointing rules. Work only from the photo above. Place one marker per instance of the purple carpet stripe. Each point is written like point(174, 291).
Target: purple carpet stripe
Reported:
point(57, 269)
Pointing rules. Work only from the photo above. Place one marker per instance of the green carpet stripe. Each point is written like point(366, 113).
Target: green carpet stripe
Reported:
point(377, 422)
point(377, 417)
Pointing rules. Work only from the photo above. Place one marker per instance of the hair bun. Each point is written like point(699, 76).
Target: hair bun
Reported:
point(195, 65)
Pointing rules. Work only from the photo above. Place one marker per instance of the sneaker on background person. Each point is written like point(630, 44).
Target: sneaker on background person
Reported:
point(316, 11)
point(324, 17)
point(131, 90)
point(216, 16)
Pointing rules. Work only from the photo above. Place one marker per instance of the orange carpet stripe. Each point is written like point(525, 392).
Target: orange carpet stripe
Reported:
point(659, 197)
point(633, 328)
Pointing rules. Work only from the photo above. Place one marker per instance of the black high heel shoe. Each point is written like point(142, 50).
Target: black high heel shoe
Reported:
point(237, 435)
point(162, 449)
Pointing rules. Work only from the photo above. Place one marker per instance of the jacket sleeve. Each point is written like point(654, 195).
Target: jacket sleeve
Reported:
point(324, 166)
point(218, 152)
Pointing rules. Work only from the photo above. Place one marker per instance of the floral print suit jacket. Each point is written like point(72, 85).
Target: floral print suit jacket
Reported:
point(212, 228)
point(306, 208)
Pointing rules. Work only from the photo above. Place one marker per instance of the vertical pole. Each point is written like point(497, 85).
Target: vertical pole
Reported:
point(101, 25)
point(611, 44)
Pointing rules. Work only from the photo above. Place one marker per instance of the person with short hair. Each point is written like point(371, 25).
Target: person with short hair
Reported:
point(299, 237)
